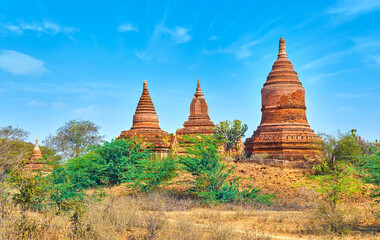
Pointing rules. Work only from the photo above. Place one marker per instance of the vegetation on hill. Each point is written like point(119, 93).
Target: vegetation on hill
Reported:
point(73, 187)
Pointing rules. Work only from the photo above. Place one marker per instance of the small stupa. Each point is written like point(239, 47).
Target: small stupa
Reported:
point(145, 124)
point(284, 132)
point(199, 121)
point(36, 161)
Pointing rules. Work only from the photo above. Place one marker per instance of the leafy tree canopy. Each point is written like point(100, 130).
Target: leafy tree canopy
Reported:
point(73, 139)
point(229, 133)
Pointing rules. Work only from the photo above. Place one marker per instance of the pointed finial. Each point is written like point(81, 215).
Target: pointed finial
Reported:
point(36, 146)
point(198, 92)
point(282, 48)
point(145, 86)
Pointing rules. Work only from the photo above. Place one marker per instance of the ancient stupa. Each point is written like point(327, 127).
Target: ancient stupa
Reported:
point(284, 132)
point(199, 120)
point(36, 161)
point(145, 124)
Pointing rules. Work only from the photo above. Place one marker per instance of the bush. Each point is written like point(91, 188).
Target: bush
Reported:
point(116, 162)
point(371, 172)
point(214, 179)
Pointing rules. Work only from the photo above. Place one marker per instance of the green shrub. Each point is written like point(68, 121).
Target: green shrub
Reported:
point(214, 180)
point(371, 172)
point(116, 162)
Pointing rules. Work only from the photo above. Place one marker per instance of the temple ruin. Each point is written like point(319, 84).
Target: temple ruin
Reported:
point(145, 125)
point(284, 132)
point(199, 121)
point(36, 161)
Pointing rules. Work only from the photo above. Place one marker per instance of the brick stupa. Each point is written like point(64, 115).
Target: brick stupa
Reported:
point(36, 161)
point(284, 131)
point(145, 124)
point(199, 120)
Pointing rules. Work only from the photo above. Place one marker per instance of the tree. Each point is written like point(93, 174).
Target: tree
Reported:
point(13, 149)
point(12, 133)
point(229, 133)
point(343, 147)
point(332, 187)
point(72, 139)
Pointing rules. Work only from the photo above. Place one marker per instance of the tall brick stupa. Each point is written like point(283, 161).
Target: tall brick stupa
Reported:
point(284, 131)
point(199, 121)
point(36, 161)
point(145, 124)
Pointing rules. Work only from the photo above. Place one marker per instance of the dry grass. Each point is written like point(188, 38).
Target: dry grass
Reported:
point(128, 215)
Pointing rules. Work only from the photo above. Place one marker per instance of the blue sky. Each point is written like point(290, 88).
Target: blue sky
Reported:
point(63, 60)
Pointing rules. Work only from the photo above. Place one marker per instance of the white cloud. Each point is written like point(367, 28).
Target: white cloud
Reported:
point(20, 64)
point(44, 27)
point(35, 103)
point(352, 95)
point(376, 60)
point(212, 38)
point(159, 43)
point(345, 109)
point(241, 51)
point(345, 10)
point(127, 27)
point(58, 105)
point(86, 111)
point(178, 34)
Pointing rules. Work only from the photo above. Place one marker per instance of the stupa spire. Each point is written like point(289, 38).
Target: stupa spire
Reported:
point(145, 115)
point(282, 48)
point(145, 124)
point(198, 92)
point(36, 161)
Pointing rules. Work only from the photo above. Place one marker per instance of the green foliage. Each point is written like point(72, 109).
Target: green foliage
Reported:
point(12, 133)
point(371, 171)
point(73, 139)
point(214, 181)
point(151, 173)
point(333, 185)
point(229, 133)
point(341, 181)
point(343, 147)
point(32, 189)
point(322, 168)
point(116, 162)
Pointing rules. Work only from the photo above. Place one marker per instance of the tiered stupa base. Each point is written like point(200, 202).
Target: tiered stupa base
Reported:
point(291, 144)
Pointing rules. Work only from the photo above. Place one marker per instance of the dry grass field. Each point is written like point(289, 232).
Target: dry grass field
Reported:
point(168, 215)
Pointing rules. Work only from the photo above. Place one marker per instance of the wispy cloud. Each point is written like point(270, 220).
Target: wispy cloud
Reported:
point(20, 64)
point(345, 109)
point(328, 59)
point(46, 27)
point(127, 27)
point(376, 60)
point(178, 34)
point(86, 111)
point(345, 10)
point(161, 40)
point(212, 38)
point(352, 95)
point(35, 103)
point(241, 51)
point(322, 76)
point(368, 48)
point(58, 105)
